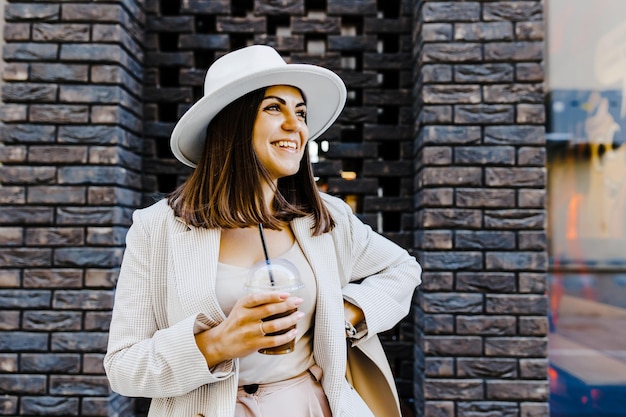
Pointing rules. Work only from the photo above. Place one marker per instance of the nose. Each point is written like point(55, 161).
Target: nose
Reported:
point(292, 123)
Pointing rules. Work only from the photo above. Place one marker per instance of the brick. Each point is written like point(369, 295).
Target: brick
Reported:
point(58, 154)
point(516, 261)
point(20, 257)
point(514, 51)
point(437, 73)
point(434, 239)
point(100, 196)
point(31, 12)
point(483, 31)
point(453, 346)
point(436, 32)
point(30, 51)
point(486, 325)
point(451, 218)
point(46, 32)
point(484, 240)
point(437, 324)
point(50, 194)
point(531, 156)
point(452, 303)
point(12, 195)
point(12, 154)
point(532, 283)
point(499, 282)
point(93, 216)
point(16, 32)
point(452, 93)
point(436, 114)
point(434, 197)
point(524, 347)
point(518, 390)
point(483, 114)
point(450, 12)
point(454, 260)
point(513, 11)
point(437, 281)
point(439, 409)
point(19, 92)
point(228, 24)
point(27, 133)
point(276, 7)
point(68, 363)
point(10, 320)
point(101, 277)
point(458, 176)
point(18, 215)
point(49, 406)
point(528, 409)
point(513, 93)
point(53, 278)
point(16, 341)
point(439, 367)
point(8, 363)
point(54, 236)
point(529, 71)
point(515, 135)
point(484, 73)
point(515, 219)
point(487, 409)
point(98, 175)
point(529, 31)
point(52, 72)
point(451, 52)
point(22, 384)
point(78, 342)
point(75, 385)
point(92, 363)
point(521, 177)
point(52, 320)
point(533, 326)
point(96, 406)
point(12, 236)
point(10, 278)
point(533, 240)
point(351, 7)
point(84, 257)
point(24, 298)
point(484, 155)
point(14, 113)
point(312, 25)
point(453, 389)
point(534, 368)
point(485, 197)
point(97, 320)
point(58, 113)
point(530, 114)
point(500, 368)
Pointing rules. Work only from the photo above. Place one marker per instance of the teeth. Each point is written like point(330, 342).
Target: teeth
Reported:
point(286, 144)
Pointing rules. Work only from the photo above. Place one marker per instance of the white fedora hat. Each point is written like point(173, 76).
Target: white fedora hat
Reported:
point(248, 69)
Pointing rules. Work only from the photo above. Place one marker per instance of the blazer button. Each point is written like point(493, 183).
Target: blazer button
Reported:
point(198, 415)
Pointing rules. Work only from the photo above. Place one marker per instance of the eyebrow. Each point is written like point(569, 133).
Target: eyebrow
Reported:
point(282, 101)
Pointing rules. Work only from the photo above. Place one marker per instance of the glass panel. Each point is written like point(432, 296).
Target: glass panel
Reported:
point(586, 132)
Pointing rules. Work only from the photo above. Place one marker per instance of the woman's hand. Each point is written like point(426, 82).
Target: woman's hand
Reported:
point(242, 332)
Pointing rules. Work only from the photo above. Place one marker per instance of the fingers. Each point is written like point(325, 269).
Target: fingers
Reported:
point(279, 323)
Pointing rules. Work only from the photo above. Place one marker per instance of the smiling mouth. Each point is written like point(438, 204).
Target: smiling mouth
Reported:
point(286, 144)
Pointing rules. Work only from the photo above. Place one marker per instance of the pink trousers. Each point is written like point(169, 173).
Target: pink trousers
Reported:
point(300, 396)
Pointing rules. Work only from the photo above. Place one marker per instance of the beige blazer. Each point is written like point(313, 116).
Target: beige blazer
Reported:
point(166, 294)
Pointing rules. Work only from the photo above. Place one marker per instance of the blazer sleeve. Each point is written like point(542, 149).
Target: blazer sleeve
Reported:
point(382, 275)
point(143, 360)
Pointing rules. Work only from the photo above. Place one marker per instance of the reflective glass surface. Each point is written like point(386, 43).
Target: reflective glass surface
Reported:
point(586, 133)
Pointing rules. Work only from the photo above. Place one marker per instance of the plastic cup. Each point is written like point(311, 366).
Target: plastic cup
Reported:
point(279, 275)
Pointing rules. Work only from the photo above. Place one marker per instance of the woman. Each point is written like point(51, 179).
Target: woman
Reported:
point(184, 332)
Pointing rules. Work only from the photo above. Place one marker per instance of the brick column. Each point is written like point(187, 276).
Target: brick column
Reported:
point(70, 176)
point(480, 207)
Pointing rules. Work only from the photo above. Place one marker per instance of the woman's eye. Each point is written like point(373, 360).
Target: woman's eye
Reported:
point(302, 114)
point(272, 107)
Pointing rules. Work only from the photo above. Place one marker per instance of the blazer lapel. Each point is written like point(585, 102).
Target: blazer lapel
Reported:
point(195, 253)
point(329, 342)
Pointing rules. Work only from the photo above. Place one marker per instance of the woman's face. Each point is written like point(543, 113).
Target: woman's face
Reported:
point(280, 132)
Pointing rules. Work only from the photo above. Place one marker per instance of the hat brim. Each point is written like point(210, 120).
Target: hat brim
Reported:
point(324, 91)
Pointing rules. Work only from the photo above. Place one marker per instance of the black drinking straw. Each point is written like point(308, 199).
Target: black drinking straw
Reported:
point(267, 256)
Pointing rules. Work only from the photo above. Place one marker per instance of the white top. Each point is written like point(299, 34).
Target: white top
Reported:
point(259, 368)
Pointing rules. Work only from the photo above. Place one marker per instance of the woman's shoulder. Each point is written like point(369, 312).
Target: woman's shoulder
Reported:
point(157, 213)
point(335, 204)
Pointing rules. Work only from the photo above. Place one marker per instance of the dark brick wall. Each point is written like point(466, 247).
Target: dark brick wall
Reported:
point(480, 208)
point(70, 176)
point(443, 129)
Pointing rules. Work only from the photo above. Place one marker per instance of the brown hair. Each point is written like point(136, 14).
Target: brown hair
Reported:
point(224, 190)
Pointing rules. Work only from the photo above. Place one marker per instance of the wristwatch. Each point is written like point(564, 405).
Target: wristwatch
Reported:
point(350, 330)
